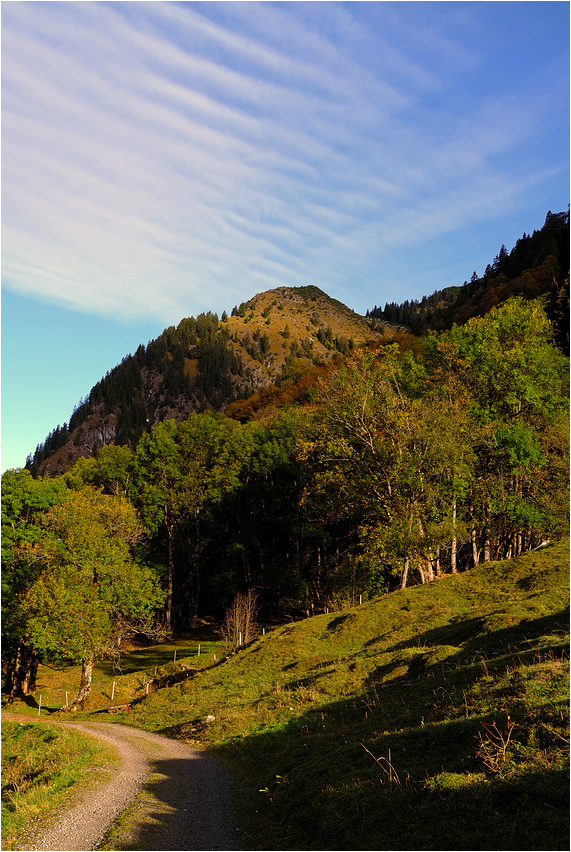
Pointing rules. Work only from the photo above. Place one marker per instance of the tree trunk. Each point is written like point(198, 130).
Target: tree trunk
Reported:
point(437, 562)
point(487, 541)
point(16, 676)
point(475, 551)
point(473, 535)
point(193, 583)
point(29, 680)
point(85, 683)
point(429, 569)
point(404, 573)
point(21, 679)
point(170, 572)
point(454, 540)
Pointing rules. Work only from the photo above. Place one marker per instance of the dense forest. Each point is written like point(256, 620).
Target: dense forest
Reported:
point(192, 361)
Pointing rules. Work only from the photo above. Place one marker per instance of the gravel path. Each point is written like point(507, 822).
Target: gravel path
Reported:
point(184, 799)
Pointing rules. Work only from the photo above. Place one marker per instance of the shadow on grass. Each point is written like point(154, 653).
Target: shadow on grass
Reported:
point(472, 633)
point(397, 767)
point(478, 650)
point(351, 787)
point(346, 786)
point(147, 658)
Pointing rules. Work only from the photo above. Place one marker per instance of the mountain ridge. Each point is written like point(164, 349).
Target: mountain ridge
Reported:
point(537, 265)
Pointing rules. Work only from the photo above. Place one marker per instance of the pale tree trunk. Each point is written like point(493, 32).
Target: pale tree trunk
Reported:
point(85, 683)
point(426, 570)
point(475, 552)
point(487, 541)
point(404, 573)
point(454, 540)
point(429, 569)
point(437, 562)
point(473, 535)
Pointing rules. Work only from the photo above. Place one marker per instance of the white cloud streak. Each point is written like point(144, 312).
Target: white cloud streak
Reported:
point(157, 154)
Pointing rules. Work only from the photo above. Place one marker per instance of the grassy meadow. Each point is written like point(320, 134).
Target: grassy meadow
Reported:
point(434, 718)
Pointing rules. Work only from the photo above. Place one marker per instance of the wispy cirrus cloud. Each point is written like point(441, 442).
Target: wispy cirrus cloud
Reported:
point(161, 159)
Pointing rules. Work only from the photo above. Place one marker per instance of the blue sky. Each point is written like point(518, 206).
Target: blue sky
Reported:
point(163, 159)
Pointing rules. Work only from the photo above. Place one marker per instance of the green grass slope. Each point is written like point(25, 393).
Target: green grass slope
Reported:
point(435, 718)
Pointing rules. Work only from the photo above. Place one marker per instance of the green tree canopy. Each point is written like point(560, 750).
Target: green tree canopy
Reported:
point(90, 592)
point(181, 470)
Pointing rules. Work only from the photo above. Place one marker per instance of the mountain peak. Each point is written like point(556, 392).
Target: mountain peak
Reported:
point(206, 363)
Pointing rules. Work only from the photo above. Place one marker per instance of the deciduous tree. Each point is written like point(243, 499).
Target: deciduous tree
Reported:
point(90, 592)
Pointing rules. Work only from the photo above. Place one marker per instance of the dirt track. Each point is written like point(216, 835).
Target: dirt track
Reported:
point(184, 799)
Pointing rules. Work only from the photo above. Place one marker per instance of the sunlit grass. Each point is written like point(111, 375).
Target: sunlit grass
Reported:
point(41, 765)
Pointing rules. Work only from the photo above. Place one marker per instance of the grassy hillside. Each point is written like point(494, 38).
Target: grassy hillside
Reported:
point(434, 718)
point(387, 726)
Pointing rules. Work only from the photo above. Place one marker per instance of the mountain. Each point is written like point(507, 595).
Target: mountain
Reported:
point(209, 363)
point(206, 363)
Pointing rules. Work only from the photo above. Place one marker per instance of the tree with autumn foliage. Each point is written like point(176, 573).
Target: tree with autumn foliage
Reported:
point(518, 380)
point(395, 455)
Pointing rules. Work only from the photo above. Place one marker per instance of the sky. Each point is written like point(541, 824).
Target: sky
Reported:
point(164, 159)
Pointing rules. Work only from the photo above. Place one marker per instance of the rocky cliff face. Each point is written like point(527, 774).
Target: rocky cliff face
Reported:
point(207, 363)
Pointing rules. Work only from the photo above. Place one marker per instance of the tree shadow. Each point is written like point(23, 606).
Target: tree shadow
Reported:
point(472, 634)
point(152, 655)
point(395, 767)
point(185, 805)
point(422, 787)
point(339, 621)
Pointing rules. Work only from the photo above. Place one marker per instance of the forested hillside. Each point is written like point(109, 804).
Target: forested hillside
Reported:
point(203, 365)
point(538, 265)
